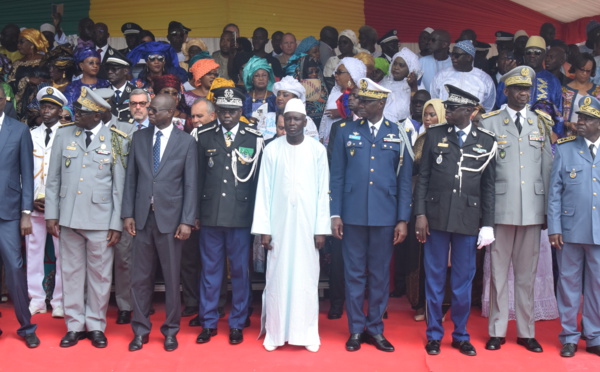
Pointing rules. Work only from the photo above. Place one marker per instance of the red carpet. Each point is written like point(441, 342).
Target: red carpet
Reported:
point(405, 334)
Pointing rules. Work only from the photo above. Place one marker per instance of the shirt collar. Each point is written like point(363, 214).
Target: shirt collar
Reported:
point(144, 123)
point(166, 132)
point(513, 113)
point(233, 130)
point(377, 124)
point(588, 143)
point(467, 129)
point(54, 127)
point(97, 128)
point(121, 88)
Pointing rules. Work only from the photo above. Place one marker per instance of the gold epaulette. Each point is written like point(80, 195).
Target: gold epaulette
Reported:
point(545, 116)
point(66, 125)
point(492, 113)
point(488, 132)
point(119, 132)
point(203, 128)
point(342, 124)
point(566, 139)
point(253, 131)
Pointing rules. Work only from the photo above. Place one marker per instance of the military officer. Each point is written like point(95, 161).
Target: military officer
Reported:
point(524, 161)
point(118, 70)
point(455, 190)
point(131, 32)
point(573, 220)
point(370, 206)
point(51, 102)
point(229, 155)
point(84, 189)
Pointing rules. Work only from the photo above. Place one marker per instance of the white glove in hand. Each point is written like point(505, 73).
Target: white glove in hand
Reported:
point(486, 237)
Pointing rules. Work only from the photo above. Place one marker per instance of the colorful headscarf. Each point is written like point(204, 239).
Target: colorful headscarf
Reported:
point(81, 54)
point(195, 41)
point(61, 57)
point(196, 57)
point(203, 66)
point(218, 83)
point(382, 64)
point(36, 38)
point(350, 35)
point(289, 84)
point(68, 109)
point(254, 64)
point(146, 49)
point(306, 44)
point(166, 81)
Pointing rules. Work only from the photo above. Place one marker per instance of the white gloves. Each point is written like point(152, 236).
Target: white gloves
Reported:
point(486, 236)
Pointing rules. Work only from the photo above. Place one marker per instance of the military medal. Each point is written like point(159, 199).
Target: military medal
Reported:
point(439, 159)
point(352, 151)
point(102, 138)
point(506, 121)
point(211, 163)
point(67, 162)
point(102, 146)
point(100, 167)
point(573, 175)
point(78, 132)
point(349, 143)
point(502, 154)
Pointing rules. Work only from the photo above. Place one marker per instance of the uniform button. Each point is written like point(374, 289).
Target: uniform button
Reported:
point(520, 139)
point(373, 145)
point(45, 163)
point(228, 155)
point(85, 154)
point(522, 182)
point(594, 166)
point(456, 176)
point(372, 158)
point(522, 166)
point(370, 183)
point(81, 179)
point(372, 170)
point(224, 181)
point(593, 179)
point(227, 168)
point(79, 192)
point(593, 207)
point(454, 191)
point(594, 194)
point(521, 153)
point(83, 166)
point(103, 198)
point(224, 194)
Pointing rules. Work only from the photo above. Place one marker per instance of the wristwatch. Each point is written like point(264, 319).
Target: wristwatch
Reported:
point(26, 211)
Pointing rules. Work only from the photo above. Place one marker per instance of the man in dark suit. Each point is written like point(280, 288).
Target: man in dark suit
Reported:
point(229, 154)
point(455, 189)
point(118, 69)
point(101, 41)
point(131, 32)
point(16, 181)
point(159, 210)
point(371, 181)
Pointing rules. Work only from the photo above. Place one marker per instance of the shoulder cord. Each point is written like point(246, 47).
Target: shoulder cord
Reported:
point(489, 156)
point(254, 160)
point(403, 146)
point(116, 142)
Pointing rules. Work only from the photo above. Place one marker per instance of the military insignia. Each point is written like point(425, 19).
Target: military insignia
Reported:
point(449, 129)
point(342, 125)
point(506, 121)
point(352, 150)
point(228, 93)
point(242, 132)
point(111, 52)
point(354, 137)
point(567, 139)
point(444, 139)
point(502, 142)
point(128, 89)
point(439, 159)
point(70, 148)
point(77, 133)
point(49, 91)
point(246, 152)
point(100, 167)
point(349, 143)
point(524, 71)
point(587, 101)
point(474, 133)
point(530, 121)
point(103, 146)
point(441, 144)
point(102, 138)
point(487, 115)
point(502, 154)
point(572, 174)
point(502, 136)
point(478, 149)
point(211, 163)
point(355, 133)
point(131, 121)
point(363, 84)
point(68, 162)
point(387, 123)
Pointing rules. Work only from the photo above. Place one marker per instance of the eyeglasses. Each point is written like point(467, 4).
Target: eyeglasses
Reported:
point(338, 72)
point(585, 71)
point(156, 57)
point(141, 104)
point(153, 110)
point(536, 52)
point(458, 55)
point(65, 117)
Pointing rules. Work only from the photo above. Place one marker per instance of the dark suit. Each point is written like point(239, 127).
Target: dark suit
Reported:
point(16, 186)
point(226, 210)
point(102, 74)
point(174, 191)
point(120, 108)
point(454, 207)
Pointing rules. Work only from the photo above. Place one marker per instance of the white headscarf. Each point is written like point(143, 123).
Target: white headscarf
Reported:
point(352, 36)
point(397, 106)
point(356, 68)
point(289, 84)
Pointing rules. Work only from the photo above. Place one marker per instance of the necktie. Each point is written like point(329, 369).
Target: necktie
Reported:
point(88, 138)
point(139, 126)
point(228, 139)
point(518, 122)
point(592, 151)
point(460, 133)
point(48, 132)
point(373, 131)
point(100, 52)
point(117, 95)
point(156, 151)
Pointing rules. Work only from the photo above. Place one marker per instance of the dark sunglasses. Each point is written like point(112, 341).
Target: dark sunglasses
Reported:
point(65, 117)
point(530, 52)
point(338, 72)
point(156, 57)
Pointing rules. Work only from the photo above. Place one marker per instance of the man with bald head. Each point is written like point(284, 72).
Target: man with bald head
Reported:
point(159, 211)
point(439, 59)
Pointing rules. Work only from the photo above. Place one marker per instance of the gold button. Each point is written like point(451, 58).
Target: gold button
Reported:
point(373, 145)
point(593, 207)
point(83, 166)
point(522, 182)
point(594, 166)
point(520, 139)
point(594, 179)
point(594, 194)
point(370, 183)
point(79, 192)
point(565, 211)
point(224, 194)
point(81, 179)
point(521, 153)
point(372, 170)
point(85, 154)
point(522, 166)
point(103, 198)
point(372, 158)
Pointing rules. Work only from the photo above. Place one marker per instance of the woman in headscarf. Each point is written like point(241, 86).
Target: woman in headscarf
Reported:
point(190, 48)
point(171, 85)
point(433, 113)
point(404, 72)
point(204, 70)
point(161, 59)
point(348, 72)
point(66, 115)
point(347, 44)
point(61, 65)
point(259, 80)
point(88, 61)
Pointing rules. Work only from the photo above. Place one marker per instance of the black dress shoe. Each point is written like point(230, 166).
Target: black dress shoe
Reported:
point(98, 339)
point(124, 317)
point(593, 350)
point(568, 350)
point(494, 343)
point(235, 336)
point(433, 347)
point(530, 344)
point(465, 347)
point(171, 343)
point(334, 314)
point(71, 339)
point(380, 342)
point(189, 311)
point(138, 342)
point(353, 343)
point(31, 340)
point(195, 321)
point(205, 335)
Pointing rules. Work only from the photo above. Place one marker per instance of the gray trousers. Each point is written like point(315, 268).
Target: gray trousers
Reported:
point(86, 263)
point(150, 246)
point(123, 272)
point(521, 246)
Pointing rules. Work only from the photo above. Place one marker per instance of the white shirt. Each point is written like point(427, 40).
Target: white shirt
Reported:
point(466, 131)
point(104, 49)
point(94, 130)
point(596, 144)
point(164, 139)
point(377, 126)
point(121, 89)
point(233, 131)
point(513, 114)
point(476, 82)
point(1, 119)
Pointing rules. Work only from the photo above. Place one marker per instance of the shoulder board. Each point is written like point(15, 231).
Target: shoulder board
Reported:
point(492, 113)
point(253, 131)
point(437, 125)
point(342, 124)
point(566, 139)
point(65, 125)
point(544, 115)
point(488, 132)
point(121, 133)
point(202, 129)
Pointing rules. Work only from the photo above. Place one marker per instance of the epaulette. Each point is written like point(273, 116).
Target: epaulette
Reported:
point(488, 132)
point(254, 131)
point(387, 123)
point(120, 133)
point(203, 129)
point(66, 125)
point(492, 113)
point(436, 125)
point(545, 116)
point(342, 124)
point(566, 139)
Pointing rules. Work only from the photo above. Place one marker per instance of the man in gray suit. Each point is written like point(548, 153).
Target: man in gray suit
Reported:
point(16, 183)
point(159, 211)
point(523, 167)
point(84, 191)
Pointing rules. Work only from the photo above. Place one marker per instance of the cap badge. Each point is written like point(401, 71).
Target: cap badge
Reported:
point(587, 101)
point(50, 91)
point(229, 94)
point(525, 71)
point(363, 84)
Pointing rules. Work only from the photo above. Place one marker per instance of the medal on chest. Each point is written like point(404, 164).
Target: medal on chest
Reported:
point(502, 154)
point(572, 174)
point(439, 159)
point(211, 163)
